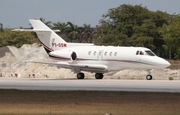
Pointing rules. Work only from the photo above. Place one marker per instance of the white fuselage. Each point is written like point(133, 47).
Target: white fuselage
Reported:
point(114, 58)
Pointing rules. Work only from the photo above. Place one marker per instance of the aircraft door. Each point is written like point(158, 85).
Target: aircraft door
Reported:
point(100, 55)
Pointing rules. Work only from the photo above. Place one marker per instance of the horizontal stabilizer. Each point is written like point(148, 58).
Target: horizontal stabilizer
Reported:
point(35, 30)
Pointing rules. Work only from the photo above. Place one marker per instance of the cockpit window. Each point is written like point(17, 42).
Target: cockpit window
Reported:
point(147, 52)
point(137, 52)
point(150, 53)
point(141, 53)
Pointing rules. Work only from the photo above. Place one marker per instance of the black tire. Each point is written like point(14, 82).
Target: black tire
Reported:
point(80, 76)
point(99, 76)
point(149, 77)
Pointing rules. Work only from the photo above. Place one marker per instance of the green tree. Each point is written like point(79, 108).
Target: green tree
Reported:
point(62, 27)
point(1, 27)
point(171, 36)
point(48, 23)
point(129, 25)
point(17, 39)
point(73, 32)
point(86, 33)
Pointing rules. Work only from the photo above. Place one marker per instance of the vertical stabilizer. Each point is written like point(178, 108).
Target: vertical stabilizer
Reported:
point(48, 38)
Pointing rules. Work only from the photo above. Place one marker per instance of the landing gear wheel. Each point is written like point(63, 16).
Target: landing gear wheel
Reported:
point(99, 76)
point(149, 77)
point(80, 75)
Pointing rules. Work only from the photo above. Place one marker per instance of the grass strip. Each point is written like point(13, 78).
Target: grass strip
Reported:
point(21, 102)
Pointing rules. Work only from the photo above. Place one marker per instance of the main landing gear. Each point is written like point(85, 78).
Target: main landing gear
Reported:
point(97, 75)
point(80, 75)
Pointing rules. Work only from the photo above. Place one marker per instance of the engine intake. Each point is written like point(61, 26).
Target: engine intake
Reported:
point(73, 56)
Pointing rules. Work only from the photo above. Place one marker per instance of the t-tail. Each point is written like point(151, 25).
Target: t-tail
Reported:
point(48, 38)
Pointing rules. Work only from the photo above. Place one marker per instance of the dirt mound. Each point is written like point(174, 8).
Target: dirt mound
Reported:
point(3, 51)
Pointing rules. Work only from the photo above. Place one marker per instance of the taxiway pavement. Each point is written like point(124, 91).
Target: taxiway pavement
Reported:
point(90, 84)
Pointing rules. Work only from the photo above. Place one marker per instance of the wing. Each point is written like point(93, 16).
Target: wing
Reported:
point(72, 65)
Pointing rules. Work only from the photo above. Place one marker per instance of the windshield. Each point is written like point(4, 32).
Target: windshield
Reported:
point(150, 53)
point(146, 52)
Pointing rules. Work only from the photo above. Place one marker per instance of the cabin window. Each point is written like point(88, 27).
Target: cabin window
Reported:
point(150, 53)
point(115, 54)
point(110, 54)
point(94, 52)
point(105, 53)
point(89, 53)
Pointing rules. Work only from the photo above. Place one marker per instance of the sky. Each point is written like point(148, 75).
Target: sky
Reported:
point(16, 13)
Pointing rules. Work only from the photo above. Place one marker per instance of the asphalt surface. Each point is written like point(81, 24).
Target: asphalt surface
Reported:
point(91, 84)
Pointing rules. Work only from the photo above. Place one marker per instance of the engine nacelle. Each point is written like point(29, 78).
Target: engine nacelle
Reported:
point(73, 56)
point(64, 54)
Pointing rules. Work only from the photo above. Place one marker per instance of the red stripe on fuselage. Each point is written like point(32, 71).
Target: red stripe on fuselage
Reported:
point(50, 49)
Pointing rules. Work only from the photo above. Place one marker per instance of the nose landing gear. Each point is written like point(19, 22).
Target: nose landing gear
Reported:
point(149, 76)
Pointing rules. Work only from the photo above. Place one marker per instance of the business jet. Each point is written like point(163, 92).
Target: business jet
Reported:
point(81, 57)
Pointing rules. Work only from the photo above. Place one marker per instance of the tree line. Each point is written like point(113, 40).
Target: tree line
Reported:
point(125, 25)
point(71, 32)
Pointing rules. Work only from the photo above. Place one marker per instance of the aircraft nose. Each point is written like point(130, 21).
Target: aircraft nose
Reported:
point(164, 63)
